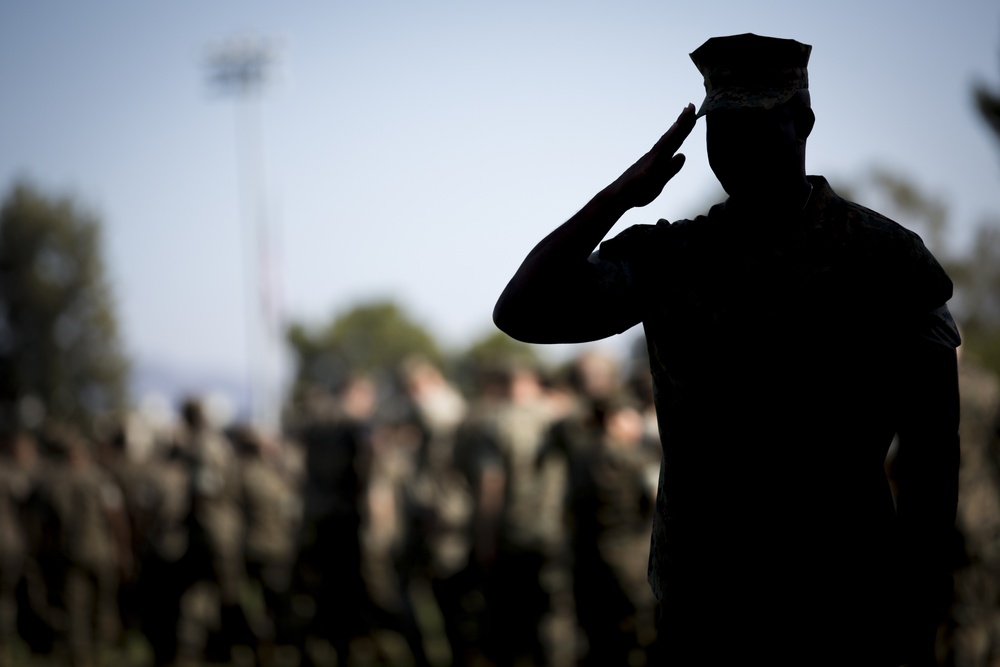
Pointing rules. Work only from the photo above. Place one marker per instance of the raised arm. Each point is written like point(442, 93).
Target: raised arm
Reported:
point(556, 294)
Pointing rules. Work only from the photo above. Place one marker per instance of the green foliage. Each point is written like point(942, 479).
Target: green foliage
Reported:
point(978, 278)
point(60, 353)
point(977, 282)
point(372, 337)
point(492, 351)
point(498, 347)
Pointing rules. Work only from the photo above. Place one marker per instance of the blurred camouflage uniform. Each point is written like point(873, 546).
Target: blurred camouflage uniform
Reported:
point(438, 502)
point(439, 491)
point(609, 503)
point(70, 534)
point(972, 637)
point(327, 581)
point(164, 572)
point(270, 513)
point(393, 545)
point(217, 526)
point(15, 487)
point(516, 516)
point(215, 547)
point(131, 473)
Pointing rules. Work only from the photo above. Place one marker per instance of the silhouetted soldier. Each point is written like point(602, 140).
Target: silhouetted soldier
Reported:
point(791, 333)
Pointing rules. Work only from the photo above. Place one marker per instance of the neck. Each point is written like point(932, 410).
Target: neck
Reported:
point(786, 196)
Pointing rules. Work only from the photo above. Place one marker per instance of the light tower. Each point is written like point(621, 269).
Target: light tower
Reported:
point(239, 68)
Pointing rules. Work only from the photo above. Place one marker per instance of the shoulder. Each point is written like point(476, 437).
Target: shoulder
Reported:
point(861, 227)
point(889, 254)
point(878, 233)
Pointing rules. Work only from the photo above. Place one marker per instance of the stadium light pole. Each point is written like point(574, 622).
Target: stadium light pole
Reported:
point(238, 68)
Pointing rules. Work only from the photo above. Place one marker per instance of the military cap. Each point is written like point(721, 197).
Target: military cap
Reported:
point(750, 71)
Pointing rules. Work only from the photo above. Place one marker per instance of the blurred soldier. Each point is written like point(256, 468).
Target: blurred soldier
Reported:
point(439, 493)
point(129, 469)
point(476, 456)
point(595, 375)
point(577, 443)
point(71, 534)
point(639, 383)
point(610, 502)
point(164, 572)
point(215, 549)
point(270, 520)
point(439, 498)
point(394, 546)
point(972, 637)
point(15, 485)
point(327, 575)
point(515, 514)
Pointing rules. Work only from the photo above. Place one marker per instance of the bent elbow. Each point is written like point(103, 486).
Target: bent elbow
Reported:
point(520, 319)
point(507, 320)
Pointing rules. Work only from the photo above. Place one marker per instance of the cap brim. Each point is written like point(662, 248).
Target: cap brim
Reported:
point(744, 98)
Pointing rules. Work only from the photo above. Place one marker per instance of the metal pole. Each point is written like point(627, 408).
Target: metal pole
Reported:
point(238, 67)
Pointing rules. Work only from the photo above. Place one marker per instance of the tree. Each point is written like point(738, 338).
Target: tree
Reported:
point(979, 278)
point(60, 353)
point(977, 282)
point(493, 350)
point(497, 346)
point(988, 105)
point(371, 337)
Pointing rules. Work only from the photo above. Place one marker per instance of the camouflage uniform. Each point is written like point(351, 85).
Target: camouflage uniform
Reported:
point(785, 353)
point(438, 505)
point(216, 502)
point(328, 565)
point(164, 571)
point(505, 439)
point(15, 485)
point(270, 517)
point(395, 544)
point(972, 636)
point(215, 550)
point(609, 506)
point(138, 485)
point(71, 537)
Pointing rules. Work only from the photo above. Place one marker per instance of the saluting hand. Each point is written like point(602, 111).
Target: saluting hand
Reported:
point(643, 182)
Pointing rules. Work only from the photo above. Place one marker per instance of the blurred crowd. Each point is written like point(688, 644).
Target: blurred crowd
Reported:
point(395, 520)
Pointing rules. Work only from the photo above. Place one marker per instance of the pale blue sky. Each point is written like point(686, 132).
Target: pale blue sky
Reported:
point(418, 150)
